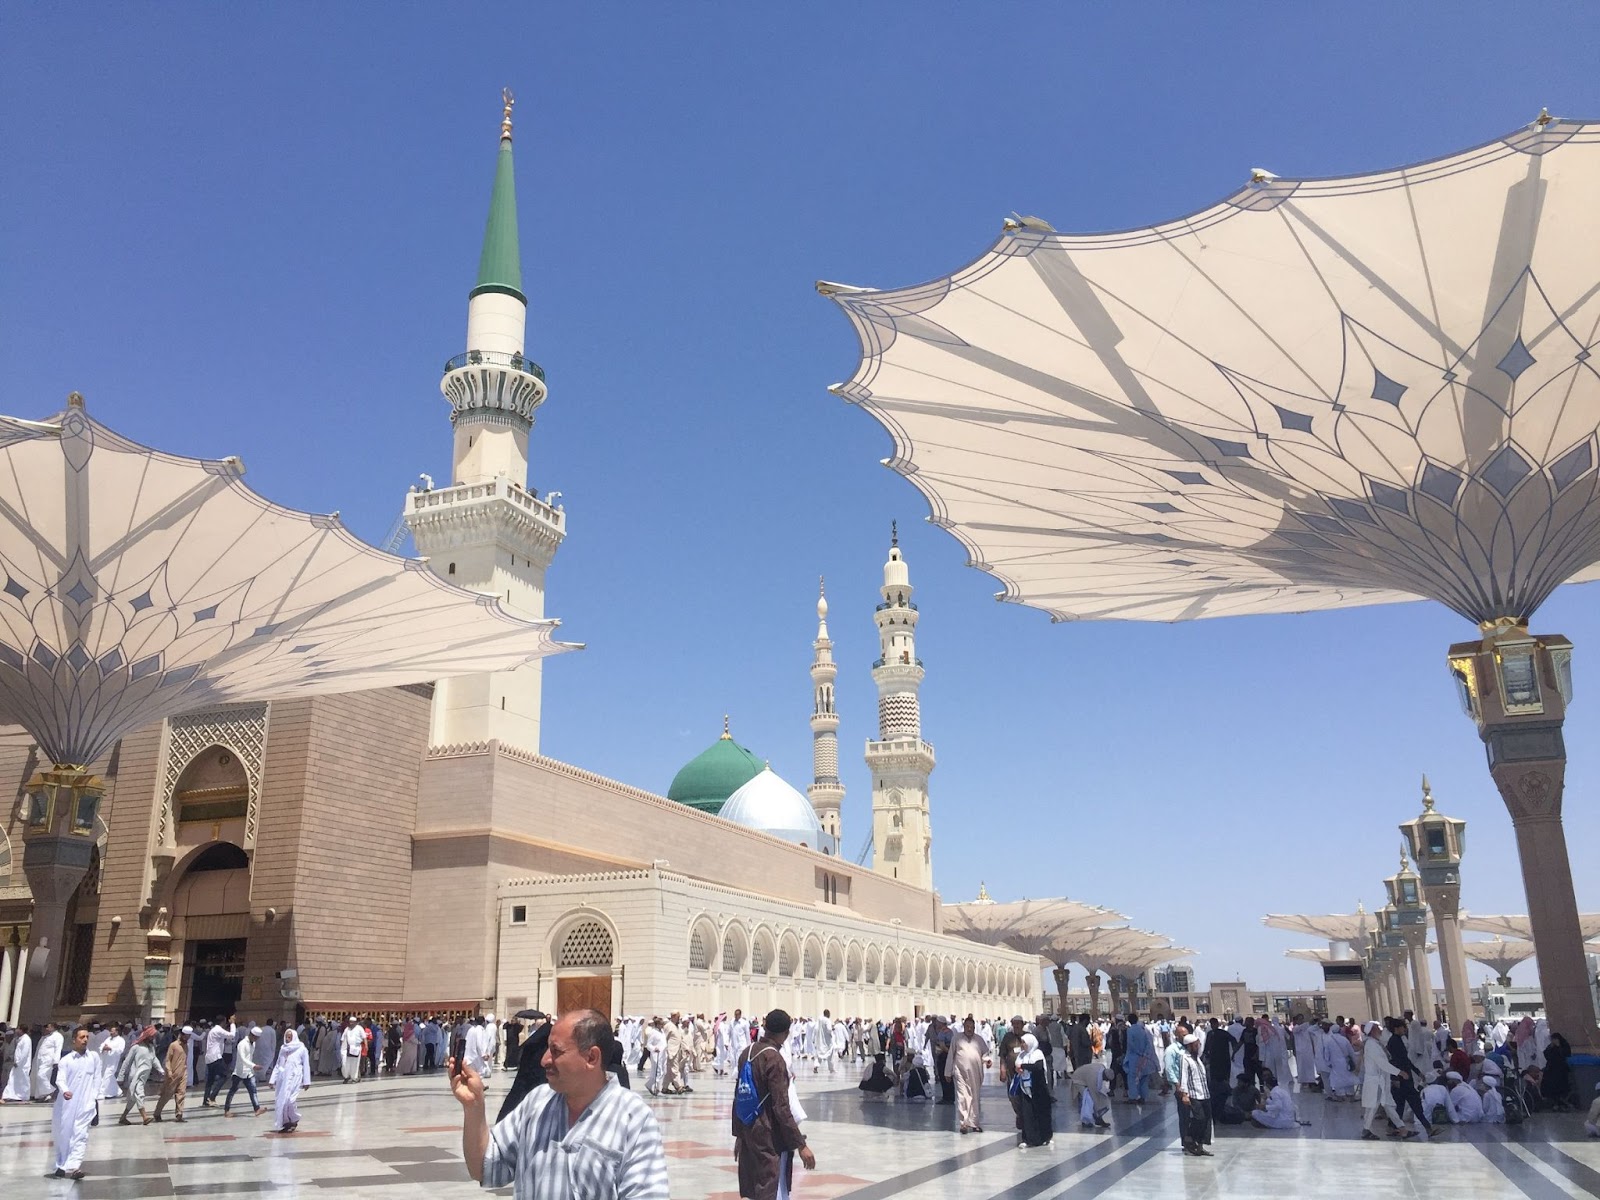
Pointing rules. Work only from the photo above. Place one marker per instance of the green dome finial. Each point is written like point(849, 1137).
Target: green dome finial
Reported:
point(500, 265)
point(707, 780)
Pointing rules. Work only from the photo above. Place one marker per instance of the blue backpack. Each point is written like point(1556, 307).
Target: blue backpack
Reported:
point(746, 1101)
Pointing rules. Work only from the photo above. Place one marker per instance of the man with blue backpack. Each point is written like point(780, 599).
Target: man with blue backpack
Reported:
point(766, 1136)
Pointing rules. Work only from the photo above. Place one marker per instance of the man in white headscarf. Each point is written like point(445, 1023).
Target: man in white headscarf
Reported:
point(290, 1077)
point(1277, 1110)
point(1306, 1034)
point(1468, 1104)
point(1436, 1098)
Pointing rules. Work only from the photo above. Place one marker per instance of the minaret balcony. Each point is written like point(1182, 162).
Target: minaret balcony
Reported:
point(498, 510)
point(902, 604)
point(494, 358)
point(492, 381)
point(899, 662)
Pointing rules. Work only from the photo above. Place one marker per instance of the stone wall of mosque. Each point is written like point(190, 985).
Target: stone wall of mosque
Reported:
point(665, 942)
point(488, 813)
point(326, 843)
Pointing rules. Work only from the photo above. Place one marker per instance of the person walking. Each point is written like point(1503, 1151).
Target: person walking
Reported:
point(77, 1094)
point(1194, 1094)
point(177, 1078)
point(244, 1071)
point(290, 1076)
point(1139, 1060)
point(218, 1041)
point(964, 1066)
point(134, 1074)
point(1376, 1093)
point(352, 1045)
point(764, 1147)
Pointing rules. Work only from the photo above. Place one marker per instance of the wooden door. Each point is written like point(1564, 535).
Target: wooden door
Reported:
point(584, 991)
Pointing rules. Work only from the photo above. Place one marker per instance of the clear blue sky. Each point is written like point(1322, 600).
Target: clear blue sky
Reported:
point(251, 229)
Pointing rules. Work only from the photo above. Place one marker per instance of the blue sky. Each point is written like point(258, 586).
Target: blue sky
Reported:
point(251, 229)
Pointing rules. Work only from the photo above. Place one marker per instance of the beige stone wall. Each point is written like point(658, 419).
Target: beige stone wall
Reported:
point(652, 917)
point(485, 814)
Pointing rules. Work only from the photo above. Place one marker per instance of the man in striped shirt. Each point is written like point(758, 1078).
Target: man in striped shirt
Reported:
point(578, 1136)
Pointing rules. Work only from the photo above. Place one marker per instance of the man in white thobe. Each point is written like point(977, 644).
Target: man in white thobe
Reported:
point(351, 1045)
point(111, 1052)
point(77, 1090)
point(655, 1041)
point(266, 1051)
point(19, 1083)
point(290, 1076)
point(1305, 1052)
point(1437, 1096)
point(841, 1040)
point(739, 1035)
point(1419, 1047)
point(1468, 1104)
point(45, 1060)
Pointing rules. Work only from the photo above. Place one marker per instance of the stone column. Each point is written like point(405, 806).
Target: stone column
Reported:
point(1093, 980)
point(1446, 905)
point(13, 1002)
point(54, 865)
point(1061, 975)
point(1116, 994)
point(1528, 760)
point(8, 968)
point(1421, 976)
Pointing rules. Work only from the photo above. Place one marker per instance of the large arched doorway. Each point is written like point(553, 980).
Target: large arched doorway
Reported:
point(211, 914)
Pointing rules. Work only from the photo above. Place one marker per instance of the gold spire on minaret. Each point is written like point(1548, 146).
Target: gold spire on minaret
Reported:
point(1427, 795)
point(505, 124)
point(726, 736)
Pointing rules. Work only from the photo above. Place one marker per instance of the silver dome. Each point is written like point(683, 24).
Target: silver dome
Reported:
point(769, 805)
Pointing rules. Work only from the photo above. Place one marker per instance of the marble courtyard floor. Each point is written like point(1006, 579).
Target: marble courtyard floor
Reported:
point(400, 1140)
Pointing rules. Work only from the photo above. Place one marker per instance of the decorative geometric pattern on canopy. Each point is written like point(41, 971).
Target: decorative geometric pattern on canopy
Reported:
point(1099, 948)
point(139, 584)
point(1516, 925)
point(1317, 393)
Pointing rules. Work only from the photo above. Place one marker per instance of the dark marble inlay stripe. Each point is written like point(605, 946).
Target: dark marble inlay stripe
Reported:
point(231, 1188)
point(884, 1189)
point(1094, 1184)
point(1568, 1167)
point(1528, 1181)
point(193, 1160)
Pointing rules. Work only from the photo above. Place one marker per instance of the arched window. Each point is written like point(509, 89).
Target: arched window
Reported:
point(587, 944)
point(213, 787)
point(699, 952)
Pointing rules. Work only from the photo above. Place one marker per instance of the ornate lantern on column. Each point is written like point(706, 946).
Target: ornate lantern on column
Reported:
point(1437, 843)
point(59, 810)
point(1410, 921)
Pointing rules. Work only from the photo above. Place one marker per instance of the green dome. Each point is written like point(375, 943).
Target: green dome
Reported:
point(707, 780)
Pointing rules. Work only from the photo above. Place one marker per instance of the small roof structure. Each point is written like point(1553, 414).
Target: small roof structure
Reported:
point(1024, 925)
point(1312, 394)
point(1499, 954)
point(1335, 927)
point(1517, 925)
point(139, 584)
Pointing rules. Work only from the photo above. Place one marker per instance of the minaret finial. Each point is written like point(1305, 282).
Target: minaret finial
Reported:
point(505, 124)
point(983, 893)
point(894, 533)
point(726, 736)
point(1427, 795)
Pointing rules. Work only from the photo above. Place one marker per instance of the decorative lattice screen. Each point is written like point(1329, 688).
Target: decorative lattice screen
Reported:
point(587, 944)
point(732, 952)
point(761, 957)
point(699, 956)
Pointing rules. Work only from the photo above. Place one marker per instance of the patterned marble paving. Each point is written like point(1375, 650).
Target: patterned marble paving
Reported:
point(400, 1140)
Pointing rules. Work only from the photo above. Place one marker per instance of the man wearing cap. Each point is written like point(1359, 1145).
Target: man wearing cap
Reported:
point(244, 1071)
point(1194, 1094)
point(134, 1073)
point(352, 1044)
point(177, 1080)
point(1376, 1072)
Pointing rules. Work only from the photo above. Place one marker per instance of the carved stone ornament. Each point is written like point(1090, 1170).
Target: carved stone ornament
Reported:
point(242, 728)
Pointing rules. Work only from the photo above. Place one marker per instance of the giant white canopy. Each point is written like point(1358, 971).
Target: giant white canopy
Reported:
point(138, 584)
point(1318, 392)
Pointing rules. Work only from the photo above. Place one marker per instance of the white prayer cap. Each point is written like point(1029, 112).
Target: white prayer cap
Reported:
point(1369, 1027)
point(188, 1029)
point(1190, 1039)
point(1494, 1081)
point(1456, 1075)
point(256, 1029)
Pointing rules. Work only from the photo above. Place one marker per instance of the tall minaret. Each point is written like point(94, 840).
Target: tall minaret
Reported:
point(826, 792)
point(900, 761)
point(489, 531)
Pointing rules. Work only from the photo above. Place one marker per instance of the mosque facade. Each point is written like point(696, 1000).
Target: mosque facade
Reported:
point(410, 849)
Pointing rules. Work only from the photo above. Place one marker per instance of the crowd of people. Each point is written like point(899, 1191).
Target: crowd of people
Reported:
point(1251, 1071)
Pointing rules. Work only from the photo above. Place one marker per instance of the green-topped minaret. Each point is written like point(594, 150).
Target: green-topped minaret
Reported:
point(491, 530)
point(500, 264)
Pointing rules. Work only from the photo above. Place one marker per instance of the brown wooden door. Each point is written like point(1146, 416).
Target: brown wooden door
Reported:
point(584, 991)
